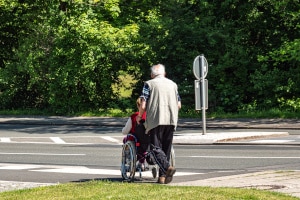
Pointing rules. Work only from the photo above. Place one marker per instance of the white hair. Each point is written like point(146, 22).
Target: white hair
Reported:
point(158, 69)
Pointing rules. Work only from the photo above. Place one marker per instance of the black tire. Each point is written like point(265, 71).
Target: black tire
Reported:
point(172, 157)
point(128, 165)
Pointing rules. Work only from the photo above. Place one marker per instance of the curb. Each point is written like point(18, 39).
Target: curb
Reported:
point(221, 138)
point(182, 123)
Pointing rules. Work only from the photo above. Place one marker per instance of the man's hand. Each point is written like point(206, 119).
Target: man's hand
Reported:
point(142, 109)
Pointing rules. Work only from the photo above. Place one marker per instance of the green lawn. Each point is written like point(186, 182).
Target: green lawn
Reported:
point(113, 190)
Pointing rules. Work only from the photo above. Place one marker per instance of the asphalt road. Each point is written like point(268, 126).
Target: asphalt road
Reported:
point(52, 154)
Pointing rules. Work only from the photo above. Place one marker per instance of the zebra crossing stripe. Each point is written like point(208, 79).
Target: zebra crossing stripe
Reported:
point(84, 170)
point(111, 139)
point(57, 140)
point(5, 139)
point(77, 170)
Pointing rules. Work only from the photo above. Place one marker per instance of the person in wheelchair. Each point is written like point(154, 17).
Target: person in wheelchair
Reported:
point(162, 102)
point(138, 130)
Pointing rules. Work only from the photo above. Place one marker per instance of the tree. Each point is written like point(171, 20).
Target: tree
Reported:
point(65, 56)
point(71, 59)
point(277, 41)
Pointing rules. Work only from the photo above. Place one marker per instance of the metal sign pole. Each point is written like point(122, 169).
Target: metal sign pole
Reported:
point(203, 96)
point(200, 68)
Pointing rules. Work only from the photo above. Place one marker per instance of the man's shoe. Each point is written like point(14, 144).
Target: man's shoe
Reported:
point(169, 174)
point(161, 180)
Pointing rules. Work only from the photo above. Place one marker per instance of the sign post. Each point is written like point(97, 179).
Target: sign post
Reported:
point(200, 68)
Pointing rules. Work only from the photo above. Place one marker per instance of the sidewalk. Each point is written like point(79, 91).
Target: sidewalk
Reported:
point(183, 122)
point(280, 181)
point(195, 138)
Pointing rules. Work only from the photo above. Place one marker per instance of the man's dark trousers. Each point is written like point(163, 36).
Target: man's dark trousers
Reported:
point(162, 137)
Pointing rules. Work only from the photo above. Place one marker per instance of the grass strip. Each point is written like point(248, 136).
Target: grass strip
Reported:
point(113, 190)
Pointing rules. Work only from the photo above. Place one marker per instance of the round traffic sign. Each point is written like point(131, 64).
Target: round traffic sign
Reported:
point(200, 63)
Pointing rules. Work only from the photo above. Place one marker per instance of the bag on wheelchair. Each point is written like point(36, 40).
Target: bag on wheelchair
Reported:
point(155, 156)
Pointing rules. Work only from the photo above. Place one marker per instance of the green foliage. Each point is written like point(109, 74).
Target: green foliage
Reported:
point(69, 62)
point(275, 82)
point(67, 56)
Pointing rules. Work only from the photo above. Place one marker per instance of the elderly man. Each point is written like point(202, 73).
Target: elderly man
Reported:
point(161, 101)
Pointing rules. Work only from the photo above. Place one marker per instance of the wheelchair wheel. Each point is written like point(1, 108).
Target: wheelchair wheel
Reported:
point(154, 171)
point(172, 157)
point(128, 165)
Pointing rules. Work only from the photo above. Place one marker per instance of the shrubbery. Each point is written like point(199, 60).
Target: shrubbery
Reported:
point(67, 56)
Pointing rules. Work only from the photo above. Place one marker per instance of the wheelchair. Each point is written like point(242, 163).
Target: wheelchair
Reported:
point(129, 160)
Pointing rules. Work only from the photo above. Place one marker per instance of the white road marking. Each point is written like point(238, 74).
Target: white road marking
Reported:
point(43, 154)
point(85, 170)
point(57, 140)
point(111, 139)
point(18, 167)
point(5, 139)
point(239, 157)
point(77, 170)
